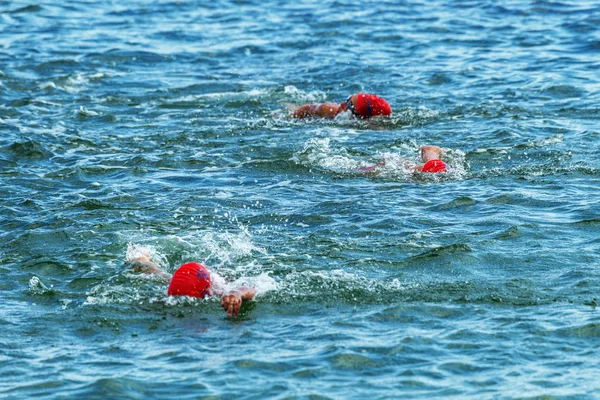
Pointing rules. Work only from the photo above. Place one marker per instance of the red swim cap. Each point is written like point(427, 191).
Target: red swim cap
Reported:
point(369, 105)
point(435, 166)
point(191, 279)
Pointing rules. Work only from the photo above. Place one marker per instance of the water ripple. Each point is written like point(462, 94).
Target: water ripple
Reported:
point(166, 126)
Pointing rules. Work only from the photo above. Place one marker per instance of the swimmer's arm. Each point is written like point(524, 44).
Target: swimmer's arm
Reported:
point(232, 301)
point(146, 266)
point(419, 167)
point(246, 293)
point(407, 166)
point(372, 168)
point(324, 110)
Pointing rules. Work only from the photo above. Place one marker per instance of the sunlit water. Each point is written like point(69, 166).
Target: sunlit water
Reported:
point(163, 127)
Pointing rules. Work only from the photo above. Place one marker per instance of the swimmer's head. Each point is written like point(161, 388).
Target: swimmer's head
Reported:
point(431, 153)
point(435, 166)
point(364, 105)
point(191, 279)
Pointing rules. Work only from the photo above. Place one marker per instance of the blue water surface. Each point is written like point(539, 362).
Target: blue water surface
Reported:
point(163, 128)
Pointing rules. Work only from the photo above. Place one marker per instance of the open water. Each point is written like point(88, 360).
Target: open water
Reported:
point(163, 126)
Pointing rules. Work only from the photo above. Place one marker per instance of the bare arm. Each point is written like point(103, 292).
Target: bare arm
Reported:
point(372, 168)
point(232, 301)
point(324, 110)
point(145, 265)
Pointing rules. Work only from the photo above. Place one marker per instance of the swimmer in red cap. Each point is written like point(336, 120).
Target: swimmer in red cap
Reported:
point(361, 105)
point(431, 161)
point(193, 279)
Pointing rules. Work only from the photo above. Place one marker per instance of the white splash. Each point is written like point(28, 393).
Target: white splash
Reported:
point(37, 286)
point(135, 251)
point(298, 95)
point(317, 152)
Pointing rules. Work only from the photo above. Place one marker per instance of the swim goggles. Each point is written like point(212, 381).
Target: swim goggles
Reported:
point(350, 106)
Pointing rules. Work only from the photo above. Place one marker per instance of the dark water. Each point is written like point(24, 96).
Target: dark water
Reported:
point(163, 126)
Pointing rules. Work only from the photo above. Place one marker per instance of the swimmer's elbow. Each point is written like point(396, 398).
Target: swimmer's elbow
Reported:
point(247, 293)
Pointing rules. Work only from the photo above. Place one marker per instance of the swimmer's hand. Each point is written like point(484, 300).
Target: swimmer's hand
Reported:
point(232, 301)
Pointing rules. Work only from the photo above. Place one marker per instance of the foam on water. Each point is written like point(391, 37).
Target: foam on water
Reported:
point(317, 153)
point(300, 96)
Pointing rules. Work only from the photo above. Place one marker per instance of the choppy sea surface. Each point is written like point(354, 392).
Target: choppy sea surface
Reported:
point(164, 127)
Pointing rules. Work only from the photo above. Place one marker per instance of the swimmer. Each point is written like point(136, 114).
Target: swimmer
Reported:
point(193, 279)
point(431, 157)
point(361, 105)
